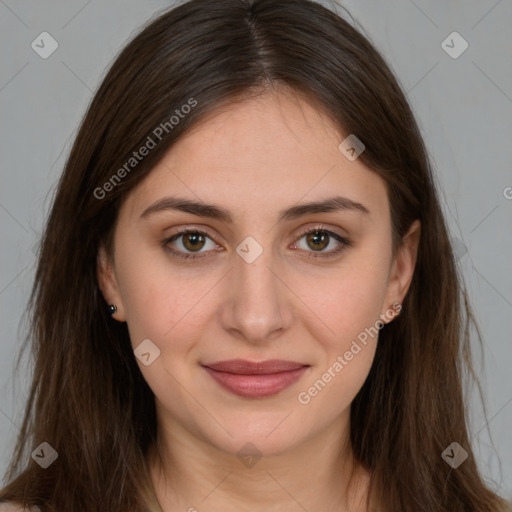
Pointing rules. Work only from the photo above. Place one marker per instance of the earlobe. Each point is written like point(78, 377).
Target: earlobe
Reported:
point(108, 285)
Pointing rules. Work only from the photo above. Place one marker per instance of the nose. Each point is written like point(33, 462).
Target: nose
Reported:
point(256, 306)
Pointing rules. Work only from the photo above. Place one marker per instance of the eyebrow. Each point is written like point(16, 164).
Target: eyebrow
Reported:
point(332, 204)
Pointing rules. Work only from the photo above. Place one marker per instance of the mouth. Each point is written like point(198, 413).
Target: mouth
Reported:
point(256, 379)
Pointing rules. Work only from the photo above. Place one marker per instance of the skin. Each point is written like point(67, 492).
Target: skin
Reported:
point(255, 158)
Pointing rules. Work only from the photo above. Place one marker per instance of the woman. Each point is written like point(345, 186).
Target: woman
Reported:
point(237, 301)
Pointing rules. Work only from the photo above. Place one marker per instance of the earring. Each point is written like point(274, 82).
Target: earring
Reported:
point(112, 308)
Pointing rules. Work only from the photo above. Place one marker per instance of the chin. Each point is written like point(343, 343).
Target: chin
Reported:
point(258, 438)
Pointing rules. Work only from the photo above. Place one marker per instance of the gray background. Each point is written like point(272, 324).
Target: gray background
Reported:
point(464, 107)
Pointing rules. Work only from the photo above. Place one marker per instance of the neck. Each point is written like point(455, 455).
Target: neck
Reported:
point(190, 474)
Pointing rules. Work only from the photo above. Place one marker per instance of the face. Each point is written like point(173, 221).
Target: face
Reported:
point(249, 282)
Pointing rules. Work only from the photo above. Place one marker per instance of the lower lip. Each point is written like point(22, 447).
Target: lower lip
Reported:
point(256, 386)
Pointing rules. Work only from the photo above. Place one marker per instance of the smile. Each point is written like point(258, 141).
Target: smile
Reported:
point(256, 380)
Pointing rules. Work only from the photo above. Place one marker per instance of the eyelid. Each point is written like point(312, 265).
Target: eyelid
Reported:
point(319, 227)
point(193, 229)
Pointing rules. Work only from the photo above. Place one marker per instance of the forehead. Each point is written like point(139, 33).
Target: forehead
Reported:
point(264, 152)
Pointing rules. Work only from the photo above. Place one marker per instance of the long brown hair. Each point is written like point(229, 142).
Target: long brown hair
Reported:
point(88, 399)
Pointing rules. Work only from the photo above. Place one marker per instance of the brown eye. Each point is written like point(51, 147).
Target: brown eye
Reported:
point(193, 241)
point(317, 240)
point(187, 242)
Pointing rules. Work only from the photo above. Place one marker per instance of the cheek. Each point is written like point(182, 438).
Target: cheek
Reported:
point(350, 305)
point(163, 305)
point(350, 299)
point(331, 390)
point(164, 302)
point(352, 312)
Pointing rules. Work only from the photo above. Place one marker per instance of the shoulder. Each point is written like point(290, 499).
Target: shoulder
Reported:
point(13, 507)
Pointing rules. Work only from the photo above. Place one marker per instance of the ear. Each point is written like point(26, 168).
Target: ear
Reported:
point(402, 269)
point(108, 283)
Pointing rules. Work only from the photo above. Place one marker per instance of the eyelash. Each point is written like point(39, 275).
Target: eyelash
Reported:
point(345, 242)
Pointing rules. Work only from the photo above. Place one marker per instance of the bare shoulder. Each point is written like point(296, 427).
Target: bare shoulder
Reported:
point(13, 507)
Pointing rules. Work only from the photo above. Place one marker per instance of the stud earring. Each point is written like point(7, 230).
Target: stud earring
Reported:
point(112, 308)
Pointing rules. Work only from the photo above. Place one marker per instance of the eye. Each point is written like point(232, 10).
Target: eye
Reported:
point(319, 238)
point(192, 240)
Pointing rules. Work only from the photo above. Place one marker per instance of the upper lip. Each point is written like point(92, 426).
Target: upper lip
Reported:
point(243, 367)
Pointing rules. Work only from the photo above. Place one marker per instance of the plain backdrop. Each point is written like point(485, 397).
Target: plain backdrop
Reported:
point(463, 105)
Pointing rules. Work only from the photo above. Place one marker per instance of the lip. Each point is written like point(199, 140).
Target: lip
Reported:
point(256, 379)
